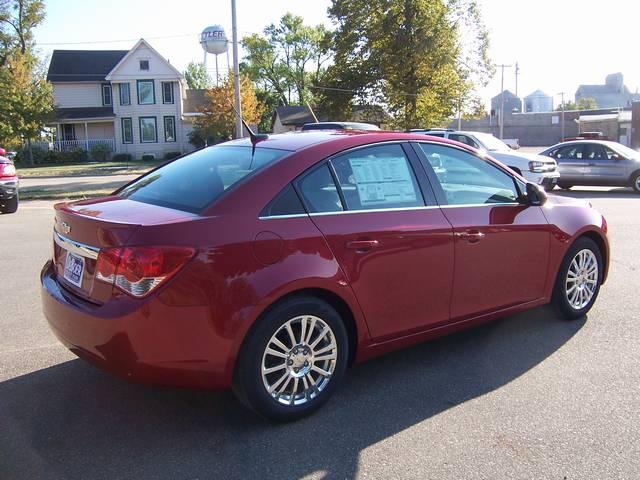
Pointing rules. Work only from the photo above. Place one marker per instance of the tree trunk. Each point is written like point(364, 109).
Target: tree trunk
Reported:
point(29, 153)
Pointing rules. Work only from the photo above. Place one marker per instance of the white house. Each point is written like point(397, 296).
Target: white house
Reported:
point(134, 100)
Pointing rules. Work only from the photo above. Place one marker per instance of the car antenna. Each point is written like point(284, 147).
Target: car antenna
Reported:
point(255, 137)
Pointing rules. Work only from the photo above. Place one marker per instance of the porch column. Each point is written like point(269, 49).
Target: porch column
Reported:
point(86, 136)
point(56, 142)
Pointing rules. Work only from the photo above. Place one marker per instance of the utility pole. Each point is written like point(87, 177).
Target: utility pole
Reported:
point(517, 74)
point(562, 116)
point(501, 119)
point(236, 70)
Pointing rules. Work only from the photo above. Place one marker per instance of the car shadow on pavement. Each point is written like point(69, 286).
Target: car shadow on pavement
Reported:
point(74, 421)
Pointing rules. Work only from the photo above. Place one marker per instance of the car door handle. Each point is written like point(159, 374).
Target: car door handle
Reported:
point(471, 236)
point(362, 245)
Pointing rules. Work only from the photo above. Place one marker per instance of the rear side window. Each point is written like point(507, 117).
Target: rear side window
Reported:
point(193, 182)
point(286, 202)
point(376, 178)
point(319, 191)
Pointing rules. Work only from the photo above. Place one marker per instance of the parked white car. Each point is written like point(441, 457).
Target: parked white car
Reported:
point(535, 168)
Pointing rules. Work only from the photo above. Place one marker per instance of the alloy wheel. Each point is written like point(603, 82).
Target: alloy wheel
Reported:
point(582, 279)
point(299, 360)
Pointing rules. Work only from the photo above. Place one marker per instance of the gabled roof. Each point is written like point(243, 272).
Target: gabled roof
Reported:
point(141, 42)
point(296, 115)
point(195, 99)
point(83, 65)
point(507, 94)
point(84, 113)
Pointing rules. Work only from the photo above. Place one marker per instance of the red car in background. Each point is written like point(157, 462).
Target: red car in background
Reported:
point(8, 184)
point(271, 266)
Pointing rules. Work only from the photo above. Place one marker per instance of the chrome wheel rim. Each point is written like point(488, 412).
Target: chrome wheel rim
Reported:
point(299, 360)
point(582, 279)
point(638, 183)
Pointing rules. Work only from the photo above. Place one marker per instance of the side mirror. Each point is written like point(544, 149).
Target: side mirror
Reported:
point(535, 196)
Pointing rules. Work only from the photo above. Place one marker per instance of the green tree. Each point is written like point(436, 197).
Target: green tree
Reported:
point(196, 76)
point(587, 104)
point(422, 59)
point(287, 59)
point(568, 105)
point(18, 18)
point(26, 99)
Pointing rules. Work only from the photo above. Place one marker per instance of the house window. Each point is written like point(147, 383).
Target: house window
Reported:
point(127, 130)
point(146, 92)
point(106, 94)
point(167, 92)
point(148, 130)
point(169, 129)
point(144, 65)
point(68, 132)
point(125, 94)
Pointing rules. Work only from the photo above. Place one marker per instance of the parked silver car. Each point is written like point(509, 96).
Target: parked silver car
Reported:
point(596, 162)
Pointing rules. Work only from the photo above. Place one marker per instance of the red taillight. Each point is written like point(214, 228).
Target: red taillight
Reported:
point(139, 270)
point(7, 170)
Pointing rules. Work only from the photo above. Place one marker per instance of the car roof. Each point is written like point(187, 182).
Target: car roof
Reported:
point(294, 141)
point(586, 140)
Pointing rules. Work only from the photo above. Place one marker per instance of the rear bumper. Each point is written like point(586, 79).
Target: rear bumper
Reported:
point(146, 342)
point(8, 189)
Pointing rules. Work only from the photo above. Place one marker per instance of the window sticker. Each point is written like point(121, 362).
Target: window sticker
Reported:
point(383, 180)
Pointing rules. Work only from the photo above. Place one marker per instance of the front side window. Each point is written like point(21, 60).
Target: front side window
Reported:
point(148, 130)
point(194, 181)
point(377, 177)
point(570, 152)
point(146, 92)
point(169, 129)
point(106, 94)
point(125, 94)
point(319, 191)
point(167, 92)
point(467, 179)
point(127, 130)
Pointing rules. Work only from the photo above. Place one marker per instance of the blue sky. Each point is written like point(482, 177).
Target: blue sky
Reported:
point(558, 43)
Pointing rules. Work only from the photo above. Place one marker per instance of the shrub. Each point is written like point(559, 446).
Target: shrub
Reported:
point(39, 155)
point(122, 157)
point(100, 152)
point(148, 157)
point(171, 155)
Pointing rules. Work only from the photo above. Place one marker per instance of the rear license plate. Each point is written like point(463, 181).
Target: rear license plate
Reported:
point(74, 269)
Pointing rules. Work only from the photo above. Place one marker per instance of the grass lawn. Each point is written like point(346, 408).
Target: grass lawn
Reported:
point(63, 195)
point(86, 168)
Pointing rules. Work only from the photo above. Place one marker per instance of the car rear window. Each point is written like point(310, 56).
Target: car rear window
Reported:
point(193, 182)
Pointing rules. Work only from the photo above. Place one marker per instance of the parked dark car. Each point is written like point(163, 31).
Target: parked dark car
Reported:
point(597, 163)
point(8, 185)
point(339, 126)
point(271, 267)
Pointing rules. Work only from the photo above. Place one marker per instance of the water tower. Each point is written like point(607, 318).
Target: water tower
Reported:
point(213, 40)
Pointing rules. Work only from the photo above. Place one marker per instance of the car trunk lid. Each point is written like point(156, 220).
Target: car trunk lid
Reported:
point(82, 229)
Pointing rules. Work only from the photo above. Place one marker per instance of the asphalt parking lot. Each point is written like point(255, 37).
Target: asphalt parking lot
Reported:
point(529, 396)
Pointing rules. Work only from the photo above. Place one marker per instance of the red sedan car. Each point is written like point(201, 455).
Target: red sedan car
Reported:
point(270, 267)
point(8, 184)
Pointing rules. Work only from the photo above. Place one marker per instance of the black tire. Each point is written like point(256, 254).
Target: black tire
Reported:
point(248, 384)
point(635, 182)
point(565, 186)
point(549, 187)
point(560, 297)
point(9, 206)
